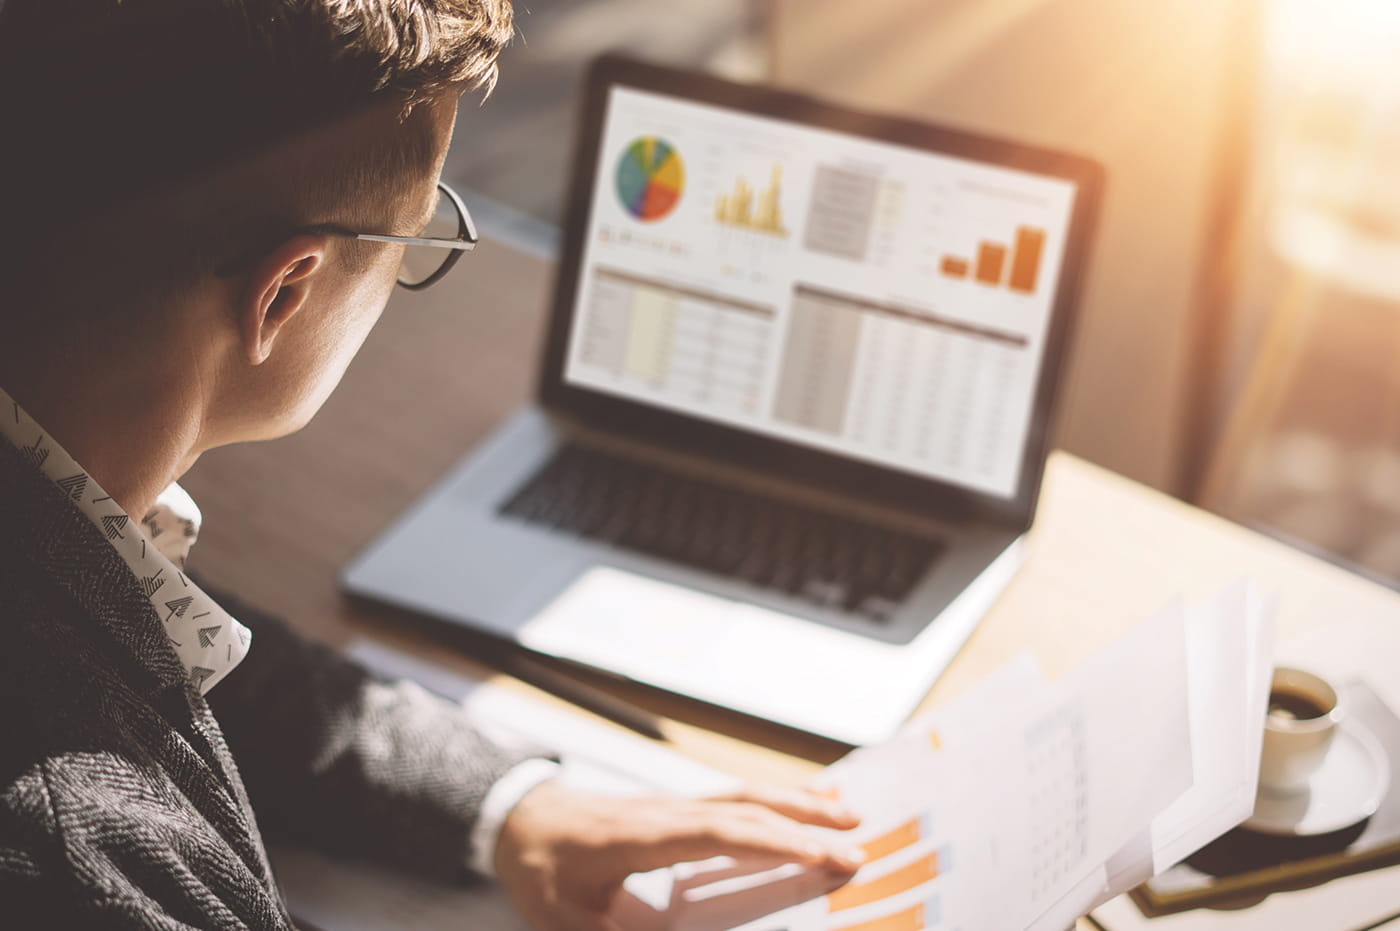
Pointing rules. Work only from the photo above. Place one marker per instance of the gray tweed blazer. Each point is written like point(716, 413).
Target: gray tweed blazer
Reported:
point(122, 792)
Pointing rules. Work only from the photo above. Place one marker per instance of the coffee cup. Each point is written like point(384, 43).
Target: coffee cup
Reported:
point(1298, 729)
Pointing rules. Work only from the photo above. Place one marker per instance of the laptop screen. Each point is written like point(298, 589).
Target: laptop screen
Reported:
point(876, 301)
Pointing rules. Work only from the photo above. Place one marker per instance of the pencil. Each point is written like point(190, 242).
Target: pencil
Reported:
point(588, 697)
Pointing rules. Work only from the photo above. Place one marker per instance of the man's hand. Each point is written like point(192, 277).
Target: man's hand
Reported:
point(563, 854)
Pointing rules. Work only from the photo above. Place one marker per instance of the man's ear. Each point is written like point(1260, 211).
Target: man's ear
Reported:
point(277, 289)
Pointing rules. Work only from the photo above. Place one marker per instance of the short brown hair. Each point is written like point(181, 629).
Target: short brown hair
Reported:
point(101, 100)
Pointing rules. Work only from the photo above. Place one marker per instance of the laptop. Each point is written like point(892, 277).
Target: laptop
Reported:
point(793, 412)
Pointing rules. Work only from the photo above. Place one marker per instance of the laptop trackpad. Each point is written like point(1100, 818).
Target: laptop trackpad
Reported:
point(753, 659)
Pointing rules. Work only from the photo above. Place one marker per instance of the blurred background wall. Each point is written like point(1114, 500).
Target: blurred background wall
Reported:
point(1309, 414)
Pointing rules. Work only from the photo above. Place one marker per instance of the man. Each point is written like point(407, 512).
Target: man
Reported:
point(205, 203)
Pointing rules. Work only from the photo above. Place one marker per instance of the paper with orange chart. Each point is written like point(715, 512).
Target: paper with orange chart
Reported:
point(1021, 805)
point(1025, 803)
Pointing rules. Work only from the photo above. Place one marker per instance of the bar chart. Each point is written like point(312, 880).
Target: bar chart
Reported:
point(759, 212)
point(991, 266)
point(903, 879)
point(899, 837)
point(920, 917)
point(907, 858)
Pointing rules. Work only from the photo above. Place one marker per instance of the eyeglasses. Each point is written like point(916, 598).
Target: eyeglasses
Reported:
point(428, 257)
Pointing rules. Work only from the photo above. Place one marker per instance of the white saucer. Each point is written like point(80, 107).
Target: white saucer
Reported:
point(1345, 790)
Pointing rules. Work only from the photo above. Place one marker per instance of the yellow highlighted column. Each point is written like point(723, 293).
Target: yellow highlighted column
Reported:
point(649, 335)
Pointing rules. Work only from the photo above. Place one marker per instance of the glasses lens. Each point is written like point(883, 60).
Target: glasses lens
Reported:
point(422, 262)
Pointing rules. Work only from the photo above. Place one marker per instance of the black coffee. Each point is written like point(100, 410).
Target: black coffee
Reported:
point(1286, 704)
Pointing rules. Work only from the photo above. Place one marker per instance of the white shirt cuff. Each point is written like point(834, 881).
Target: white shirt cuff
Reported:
point(497, 806)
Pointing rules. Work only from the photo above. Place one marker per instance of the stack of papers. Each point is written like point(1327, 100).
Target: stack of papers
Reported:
point(1025, 803)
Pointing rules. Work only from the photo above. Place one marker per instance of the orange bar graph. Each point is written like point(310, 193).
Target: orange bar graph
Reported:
point(921, 916)
point(901, 880)
point(990, 258)
point(1025, 260)
point(992, 266)
point(897, 838)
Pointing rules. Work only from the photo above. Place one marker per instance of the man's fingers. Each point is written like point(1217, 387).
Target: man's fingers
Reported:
point(565, 854)
point(797, 804)
point(738, 829)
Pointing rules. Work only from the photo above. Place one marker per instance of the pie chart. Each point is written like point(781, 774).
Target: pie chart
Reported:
point(650, 178)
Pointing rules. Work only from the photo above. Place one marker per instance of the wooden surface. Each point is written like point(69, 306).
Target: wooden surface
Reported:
point(445, 366)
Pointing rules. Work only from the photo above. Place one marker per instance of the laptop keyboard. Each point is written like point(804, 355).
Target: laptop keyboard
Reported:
point(829, 560)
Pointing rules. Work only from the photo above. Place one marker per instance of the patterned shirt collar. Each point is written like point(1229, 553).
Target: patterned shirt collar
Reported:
point(208, 642)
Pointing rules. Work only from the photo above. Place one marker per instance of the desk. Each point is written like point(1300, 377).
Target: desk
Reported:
point(446, 365)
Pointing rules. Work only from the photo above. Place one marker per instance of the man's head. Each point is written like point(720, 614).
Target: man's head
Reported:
point(167, 163)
